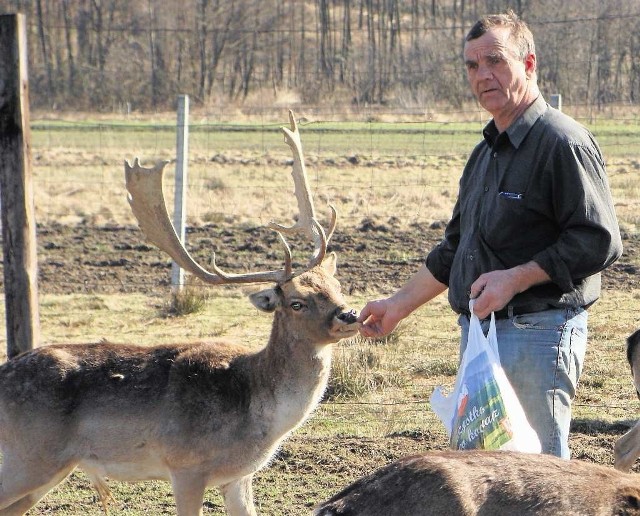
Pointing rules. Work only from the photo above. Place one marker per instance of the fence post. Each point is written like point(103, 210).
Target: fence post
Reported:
point(555, 101)
point(16, 190)
point(180, 196)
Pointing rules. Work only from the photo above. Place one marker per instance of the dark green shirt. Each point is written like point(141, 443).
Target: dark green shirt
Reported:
point(538, 191)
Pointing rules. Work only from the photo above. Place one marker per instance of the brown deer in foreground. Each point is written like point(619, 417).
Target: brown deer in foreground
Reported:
point(196, 415)
point(627, 448)
point(488, 483)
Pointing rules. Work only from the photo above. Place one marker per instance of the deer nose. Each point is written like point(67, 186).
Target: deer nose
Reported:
point(348, 317)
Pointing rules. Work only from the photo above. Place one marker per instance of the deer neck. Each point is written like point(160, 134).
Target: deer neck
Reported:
point(294, 374)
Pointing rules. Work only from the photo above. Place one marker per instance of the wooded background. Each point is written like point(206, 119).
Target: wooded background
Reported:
point(111, 55)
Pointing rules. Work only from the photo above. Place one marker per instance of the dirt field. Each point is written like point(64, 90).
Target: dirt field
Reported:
point(114, 259)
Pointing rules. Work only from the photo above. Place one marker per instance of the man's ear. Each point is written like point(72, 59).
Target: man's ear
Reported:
point(266, 300)
point(329, 263)
point(530, 63)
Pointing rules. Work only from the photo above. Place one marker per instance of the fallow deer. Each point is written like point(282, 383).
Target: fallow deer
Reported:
point(627, 448)
point(488, 483)
point(196, 415)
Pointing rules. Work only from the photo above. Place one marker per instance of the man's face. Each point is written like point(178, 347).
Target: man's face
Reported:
point(497, 75)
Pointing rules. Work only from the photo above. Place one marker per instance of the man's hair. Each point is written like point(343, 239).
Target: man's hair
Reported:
point(520, 34)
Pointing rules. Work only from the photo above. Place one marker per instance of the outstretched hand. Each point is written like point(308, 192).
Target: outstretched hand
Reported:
point(378, 318)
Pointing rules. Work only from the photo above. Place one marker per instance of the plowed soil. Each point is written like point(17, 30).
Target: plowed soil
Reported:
point(112, 259)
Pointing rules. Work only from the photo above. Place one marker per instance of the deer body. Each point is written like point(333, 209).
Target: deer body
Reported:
point(476, 483)
point(196, 415)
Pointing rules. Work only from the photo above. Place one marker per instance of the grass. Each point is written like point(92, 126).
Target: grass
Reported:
point(236, 177)
point(406, 366)
point(361, 367)
point(186, 301)
point(325, 138)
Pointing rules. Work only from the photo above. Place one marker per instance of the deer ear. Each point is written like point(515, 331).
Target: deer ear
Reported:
point(266, 300)
point(329, 263)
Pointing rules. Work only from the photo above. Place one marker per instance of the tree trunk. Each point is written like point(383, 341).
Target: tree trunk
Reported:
point(46, 58)
point(201, 21)
point(71, 67)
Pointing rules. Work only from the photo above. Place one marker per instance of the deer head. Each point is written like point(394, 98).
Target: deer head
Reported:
point(149, 207)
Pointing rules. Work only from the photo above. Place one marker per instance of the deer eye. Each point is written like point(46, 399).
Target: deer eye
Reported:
point(296, 305)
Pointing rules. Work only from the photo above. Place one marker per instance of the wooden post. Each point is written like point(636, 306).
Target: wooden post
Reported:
point(16, 190)
point(180, 196)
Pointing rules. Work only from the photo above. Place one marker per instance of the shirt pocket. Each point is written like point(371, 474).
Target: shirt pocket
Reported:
point(507, 223)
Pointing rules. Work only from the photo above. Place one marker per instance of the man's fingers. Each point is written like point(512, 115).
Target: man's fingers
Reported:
point(365, 331)
point(364, 314)
point(370, 330)
point(477, 288)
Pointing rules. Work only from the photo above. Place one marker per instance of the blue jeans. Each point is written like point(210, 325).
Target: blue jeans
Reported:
point(542, 354)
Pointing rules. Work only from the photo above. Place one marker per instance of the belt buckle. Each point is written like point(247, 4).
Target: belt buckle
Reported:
point(505, 313)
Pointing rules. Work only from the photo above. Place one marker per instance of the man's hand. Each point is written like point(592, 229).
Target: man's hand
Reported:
point(378, 318)
point(493, 290)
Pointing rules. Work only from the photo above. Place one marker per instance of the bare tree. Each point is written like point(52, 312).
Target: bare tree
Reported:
point(45, 49)
point(374, 51)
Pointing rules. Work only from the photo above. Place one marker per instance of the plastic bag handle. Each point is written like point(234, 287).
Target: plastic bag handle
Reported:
point(491, 339)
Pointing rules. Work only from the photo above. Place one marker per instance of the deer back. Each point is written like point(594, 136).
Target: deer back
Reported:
point(488, 483)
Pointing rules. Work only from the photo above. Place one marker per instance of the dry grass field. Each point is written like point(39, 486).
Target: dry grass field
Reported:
point(394, 186)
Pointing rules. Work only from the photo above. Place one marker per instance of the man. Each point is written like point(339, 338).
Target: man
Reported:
point(532, 228)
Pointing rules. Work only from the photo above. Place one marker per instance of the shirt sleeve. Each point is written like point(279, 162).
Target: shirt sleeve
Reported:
point(440, 258)
point(589, 238)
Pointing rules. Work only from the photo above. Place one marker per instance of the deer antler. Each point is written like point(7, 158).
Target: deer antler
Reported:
point(307, 222)
point(148, 205)
point(147, 202)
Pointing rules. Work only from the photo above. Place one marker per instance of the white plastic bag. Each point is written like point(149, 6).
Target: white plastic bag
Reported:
point(483, 411)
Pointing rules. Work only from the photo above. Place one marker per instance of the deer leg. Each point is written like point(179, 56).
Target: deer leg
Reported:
point(188, 490)
point(100, 485)
point(21, 489)
point(627, 449)
point(238, 497)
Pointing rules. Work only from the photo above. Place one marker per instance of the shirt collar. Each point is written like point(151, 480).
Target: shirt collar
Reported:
point(521, 127)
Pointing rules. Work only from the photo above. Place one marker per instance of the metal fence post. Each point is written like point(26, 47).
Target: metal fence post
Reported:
point(180, 197)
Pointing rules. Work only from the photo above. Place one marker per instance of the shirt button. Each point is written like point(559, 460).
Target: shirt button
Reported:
point(486, 188)
point(495, 154)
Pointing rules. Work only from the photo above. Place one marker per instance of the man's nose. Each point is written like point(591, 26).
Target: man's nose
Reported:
point(484, 72)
